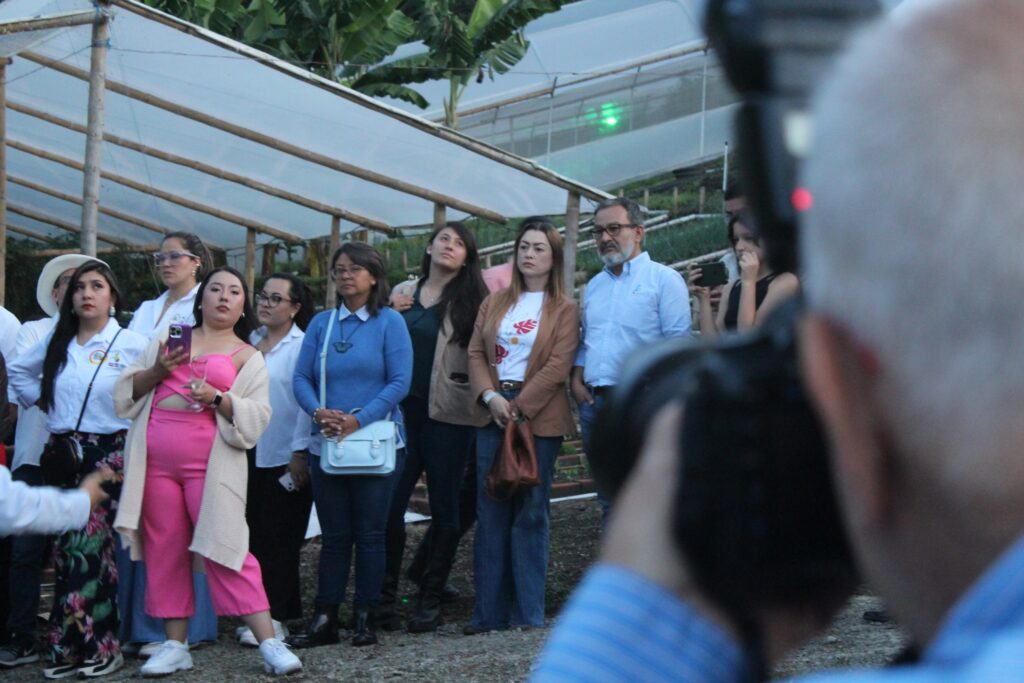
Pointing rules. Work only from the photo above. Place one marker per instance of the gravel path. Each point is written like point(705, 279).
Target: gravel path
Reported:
point(449, 656)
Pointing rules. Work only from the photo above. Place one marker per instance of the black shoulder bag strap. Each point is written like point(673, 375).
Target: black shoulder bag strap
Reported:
point(88, 391)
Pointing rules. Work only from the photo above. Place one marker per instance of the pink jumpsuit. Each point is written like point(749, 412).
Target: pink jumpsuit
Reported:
point(178, 444)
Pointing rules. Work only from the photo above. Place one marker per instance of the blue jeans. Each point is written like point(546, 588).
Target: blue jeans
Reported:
point(27, 554)
point(588, 416)
point(440, 449)
point(352, 510)
point(510, 554)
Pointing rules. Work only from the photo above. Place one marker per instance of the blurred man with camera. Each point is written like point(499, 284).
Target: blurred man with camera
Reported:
point(631, 303)
point(908, 348)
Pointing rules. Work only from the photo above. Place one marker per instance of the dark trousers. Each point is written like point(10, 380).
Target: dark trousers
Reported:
point(278, 519)
point(27, 556)
point(353, 510)
point(440, 449)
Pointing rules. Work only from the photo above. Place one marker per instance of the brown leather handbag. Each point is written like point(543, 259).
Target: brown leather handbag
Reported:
point(515, 465)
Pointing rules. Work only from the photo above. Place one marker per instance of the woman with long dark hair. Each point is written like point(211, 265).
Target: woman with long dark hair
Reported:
point(79, 363)
point(195, 413)
point(523, 347)
point(368, 369)
point(440, 412)
point(279, 495)
point(181, 263)
point(746, 301)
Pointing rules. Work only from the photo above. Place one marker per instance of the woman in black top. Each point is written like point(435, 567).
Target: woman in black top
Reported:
point(748, 299)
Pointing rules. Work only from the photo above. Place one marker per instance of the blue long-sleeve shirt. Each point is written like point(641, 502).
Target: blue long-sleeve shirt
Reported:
point(369, 365)
point(620, 626)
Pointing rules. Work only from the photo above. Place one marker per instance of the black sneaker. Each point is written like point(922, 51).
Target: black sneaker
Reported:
point(21, 650)
point(94, 668)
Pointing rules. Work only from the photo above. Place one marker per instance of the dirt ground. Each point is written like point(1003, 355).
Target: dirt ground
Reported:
point(449, 656)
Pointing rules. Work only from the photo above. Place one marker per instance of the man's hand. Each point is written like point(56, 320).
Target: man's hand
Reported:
point(93, 481)
point(580, 393)
point(640, 539)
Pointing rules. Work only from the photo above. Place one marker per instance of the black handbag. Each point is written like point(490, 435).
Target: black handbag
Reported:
point(61, 460)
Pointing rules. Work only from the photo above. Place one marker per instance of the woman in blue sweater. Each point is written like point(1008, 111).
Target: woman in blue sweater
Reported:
point(369, 370)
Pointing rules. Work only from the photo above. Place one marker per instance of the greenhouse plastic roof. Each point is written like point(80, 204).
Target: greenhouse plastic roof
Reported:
point(193, 68)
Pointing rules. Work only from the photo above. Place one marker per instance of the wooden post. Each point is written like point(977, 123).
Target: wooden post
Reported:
point(700, 201)
point(94, 134)
point(647, 197)
point(335, 242)
point(572, 236)
point(250, 258)
point(439, 215)
point(3, 180)
point(675, 199)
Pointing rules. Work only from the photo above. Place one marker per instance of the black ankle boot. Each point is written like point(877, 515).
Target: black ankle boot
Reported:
point(321, 630)
point(428, 608)
point(366, 630)
point(385, 613)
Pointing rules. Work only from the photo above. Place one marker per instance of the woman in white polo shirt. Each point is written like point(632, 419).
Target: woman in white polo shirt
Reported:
point(280, 498)
point(79, 363)
point(181, 263)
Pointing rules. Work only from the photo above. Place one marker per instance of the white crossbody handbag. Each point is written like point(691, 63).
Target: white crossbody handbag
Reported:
point(370, 450)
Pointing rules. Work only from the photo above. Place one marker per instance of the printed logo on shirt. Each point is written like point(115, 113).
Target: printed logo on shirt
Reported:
point(113, 360)
point(525, 326)
point(500, 353)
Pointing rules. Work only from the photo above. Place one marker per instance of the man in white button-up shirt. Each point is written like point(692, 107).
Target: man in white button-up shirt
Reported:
point(631, 304)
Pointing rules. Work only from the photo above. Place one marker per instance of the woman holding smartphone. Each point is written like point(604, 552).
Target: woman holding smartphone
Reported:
point(368, 370)
point(79, 363)
point(749, 299)
point(523, 347)
point(440, 412)
point(279, 494)
point(185, 481)
point(183, 260)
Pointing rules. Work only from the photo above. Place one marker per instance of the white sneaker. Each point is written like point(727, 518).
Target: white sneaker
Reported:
point(149, 649)
point(278, 659)
point(248, 639)
point(172, 656)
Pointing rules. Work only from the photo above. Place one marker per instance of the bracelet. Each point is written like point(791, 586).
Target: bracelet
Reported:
point(488, 395)
point(315, 418)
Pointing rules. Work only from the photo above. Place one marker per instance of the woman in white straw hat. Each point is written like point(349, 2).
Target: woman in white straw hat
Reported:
point(29, 437)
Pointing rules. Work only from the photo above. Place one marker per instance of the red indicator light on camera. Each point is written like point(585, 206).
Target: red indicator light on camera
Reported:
point(802, 199)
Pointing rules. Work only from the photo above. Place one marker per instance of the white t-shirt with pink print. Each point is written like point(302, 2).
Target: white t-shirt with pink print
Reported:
point(516, 334)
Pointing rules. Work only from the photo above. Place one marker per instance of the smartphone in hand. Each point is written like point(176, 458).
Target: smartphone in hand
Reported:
point(712, 274)
point(179, 337)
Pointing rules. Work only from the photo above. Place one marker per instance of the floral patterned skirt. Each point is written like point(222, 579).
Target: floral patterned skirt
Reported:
point(84, 620)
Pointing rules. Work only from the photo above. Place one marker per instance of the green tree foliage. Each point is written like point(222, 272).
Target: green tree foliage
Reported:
point(463, 40)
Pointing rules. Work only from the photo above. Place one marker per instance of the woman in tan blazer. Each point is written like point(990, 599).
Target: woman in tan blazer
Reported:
point(522, 350)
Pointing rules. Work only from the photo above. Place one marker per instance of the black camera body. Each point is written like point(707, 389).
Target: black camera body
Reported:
point(755, 514)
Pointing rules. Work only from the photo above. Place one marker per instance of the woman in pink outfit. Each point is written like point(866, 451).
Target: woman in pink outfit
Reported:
point(195, 413)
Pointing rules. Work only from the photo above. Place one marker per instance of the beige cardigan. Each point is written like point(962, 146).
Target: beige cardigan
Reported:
point(451, 398)
point(221, 533)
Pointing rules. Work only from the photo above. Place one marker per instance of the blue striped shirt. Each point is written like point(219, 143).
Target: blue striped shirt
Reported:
point(620, 626)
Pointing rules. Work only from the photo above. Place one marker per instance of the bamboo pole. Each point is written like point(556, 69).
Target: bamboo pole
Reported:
point(65, 225)
point(3, 181)
point(113, 213)
point(439, 215)
point(94, 134)
point(335, 242)
point(62, 20)
point(141, 249)
point(276, 144)
point(29, 233)
point(196, 165)
point(250, 258)
point(162, 194)
point(572, 236)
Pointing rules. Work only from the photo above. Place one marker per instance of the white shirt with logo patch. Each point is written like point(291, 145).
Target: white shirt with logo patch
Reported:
point(516, 334)
point(73, 380)
point(148, 322)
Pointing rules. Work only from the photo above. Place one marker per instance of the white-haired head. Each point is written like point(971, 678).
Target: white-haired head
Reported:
point(915, 243)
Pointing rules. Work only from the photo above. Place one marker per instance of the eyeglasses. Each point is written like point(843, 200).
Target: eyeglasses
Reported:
point(161, 256)
point(613, 229)
point(342, 272)
point(271, 300)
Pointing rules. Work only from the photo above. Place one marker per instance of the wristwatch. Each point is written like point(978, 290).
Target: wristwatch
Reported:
point(218, 397)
